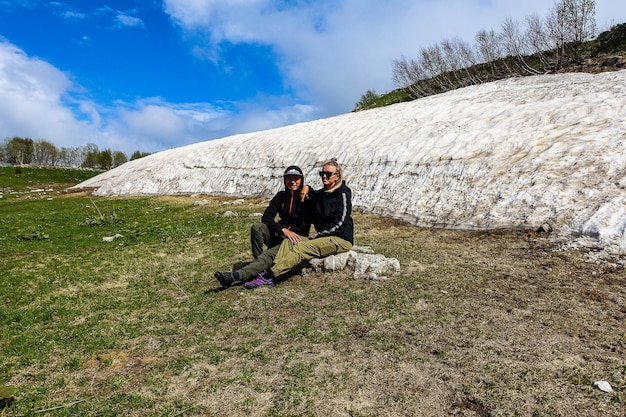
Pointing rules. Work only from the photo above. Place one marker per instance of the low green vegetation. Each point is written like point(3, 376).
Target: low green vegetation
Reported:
point(476, 323)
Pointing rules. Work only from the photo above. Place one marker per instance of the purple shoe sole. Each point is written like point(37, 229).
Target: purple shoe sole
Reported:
point(259, 282)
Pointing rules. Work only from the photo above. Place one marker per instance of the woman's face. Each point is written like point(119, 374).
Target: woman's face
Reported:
point(293, 182)
point(329, 176)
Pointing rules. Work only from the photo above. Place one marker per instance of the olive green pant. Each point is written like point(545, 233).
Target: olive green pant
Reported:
point(261, 263)
point(290, 255)
point(260, 236)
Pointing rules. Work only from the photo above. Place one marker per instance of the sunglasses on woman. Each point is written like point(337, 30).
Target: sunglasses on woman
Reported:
point(326, 174)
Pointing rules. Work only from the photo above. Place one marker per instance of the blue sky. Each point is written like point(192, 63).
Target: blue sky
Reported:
point(151, 75)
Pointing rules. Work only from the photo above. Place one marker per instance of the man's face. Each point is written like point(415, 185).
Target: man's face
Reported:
point(293, 182)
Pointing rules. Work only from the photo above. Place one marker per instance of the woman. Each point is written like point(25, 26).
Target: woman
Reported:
point(332, 218)
point(291, 226)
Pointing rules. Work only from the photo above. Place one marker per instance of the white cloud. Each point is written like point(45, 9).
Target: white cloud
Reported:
point(331, 52)
point(33, 99)
point(41, 102)
point(125, 20)
point(73, 15)
point(121, 19)
point(157, 125)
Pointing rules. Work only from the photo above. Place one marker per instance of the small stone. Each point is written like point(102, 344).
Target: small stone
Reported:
point(603, 386)
point(111, 238)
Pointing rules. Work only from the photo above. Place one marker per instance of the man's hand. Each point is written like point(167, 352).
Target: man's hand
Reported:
point(292, 236)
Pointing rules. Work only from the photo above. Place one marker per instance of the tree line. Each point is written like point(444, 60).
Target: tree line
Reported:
point(539, 45)
point(25, 151)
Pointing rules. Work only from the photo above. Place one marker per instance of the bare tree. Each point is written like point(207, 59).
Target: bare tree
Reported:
point(468, 57)
point(557, 36)
point(570, 22)
point(402, 74)
point(70, 157)
point(434, 64)
point(453, 60)
point(422, 87)
point(515, 50)
point(579, 18)
point(410, 74)
point(488, 48)
point(536, 36)
point(45, 153)
point(515, 44)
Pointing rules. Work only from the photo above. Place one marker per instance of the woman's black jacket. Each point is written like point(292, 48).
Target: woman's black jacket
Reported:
point(332, 212)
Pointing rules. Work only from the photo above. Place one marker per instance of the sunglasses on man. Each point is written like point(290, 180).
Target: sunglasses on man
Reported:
point(326, 174)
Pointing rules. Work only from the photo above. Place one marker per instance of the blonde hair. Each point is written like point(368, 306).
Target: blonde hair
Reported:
point(333, 162)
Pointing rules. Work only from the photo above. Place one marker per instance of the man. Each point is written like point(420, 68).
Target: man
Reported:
point(291, 225)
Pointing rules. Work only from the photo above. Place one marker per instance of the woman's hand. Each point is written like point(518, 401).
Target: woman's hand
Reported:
point(293, 237)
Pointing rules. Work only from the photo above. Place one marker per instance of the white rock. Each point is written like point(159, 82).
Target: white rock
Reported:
point(375, 263)
point(111, 238)
point(229, 213)
point(337, 262)
point(362, 249)
point(363, 265)
point(603, 386)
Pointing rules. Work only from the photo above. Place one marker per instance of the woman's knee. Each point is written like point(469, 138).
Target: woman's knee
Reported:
point(342, 245)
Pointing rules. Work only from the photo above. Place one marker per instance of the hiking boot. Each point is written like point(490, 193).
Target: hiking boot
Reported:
point(261, 280)
point(226, 279)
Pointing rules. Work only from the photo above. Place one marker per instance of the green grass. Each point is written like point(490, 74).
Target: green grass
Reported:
point(19, 179)
point(139, 327)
